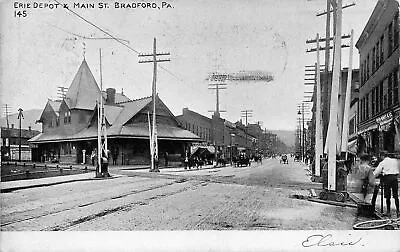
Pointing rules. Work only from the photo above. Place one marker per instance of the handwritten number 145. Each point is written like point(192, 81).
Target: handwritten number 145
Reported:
point(20, 13)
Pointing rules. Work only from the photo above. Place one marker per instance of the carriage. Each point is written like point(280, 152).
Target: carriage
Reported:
point(242, 160)
point(284, 159)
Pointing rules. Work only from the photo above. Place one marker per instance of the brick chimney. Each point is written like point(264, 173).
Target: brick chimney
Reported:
point(110, 96)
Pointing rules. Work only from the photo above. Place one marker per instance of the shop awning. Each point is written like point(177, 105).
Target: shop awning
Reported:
point(352, 146)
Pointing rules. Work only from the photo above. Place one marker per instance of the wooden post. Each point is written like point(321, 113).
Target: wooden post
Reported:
point(326, 86)
point(318, 121)
point(346, 114)
point(332, 131)
point(153, 134)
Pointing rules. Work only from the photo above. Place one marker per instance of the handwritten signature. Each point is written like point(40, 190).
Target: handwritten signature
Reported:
point(326, 240)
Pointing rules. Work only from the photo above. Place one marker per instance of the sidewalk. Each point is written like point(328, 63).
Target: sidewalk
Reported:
point(10, 186)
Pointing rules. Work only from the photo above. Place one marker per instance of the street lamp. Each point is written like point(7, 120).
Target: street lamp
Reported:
point(302, 131)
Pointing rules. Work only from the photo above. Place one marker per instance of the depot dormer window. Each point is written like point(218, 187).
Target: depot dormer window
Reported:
point(67, 117)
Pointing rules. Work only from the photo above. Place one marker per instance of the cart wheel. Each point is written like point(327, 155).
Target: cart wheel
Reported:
point(340, 197)
point(323, 195)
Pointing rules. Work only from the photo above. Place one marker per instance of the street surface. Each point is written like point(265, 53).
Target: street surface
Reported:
point(229, 198)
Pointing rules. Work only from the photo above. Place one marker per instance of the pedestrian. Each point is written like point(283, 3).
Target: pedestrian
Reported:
point(186, 162)
point(389, 169)
point(366, 176)
point(115, 155)
point(93, 156)
point(166, 158)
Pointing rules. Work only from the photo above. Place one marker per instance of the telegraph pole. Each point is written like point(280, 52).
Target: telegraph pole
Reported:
point(217, 83)
point(327, 85)
point(246, 114)
point(345, 132)
point(153, 133)
point(102, 146)
point(20, 117)
point(332, 130)
point(7, 113)
point(61, 92)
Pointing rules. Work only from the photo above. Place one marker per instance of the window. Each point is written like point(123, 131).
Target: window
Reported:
point(362, 110)
point(368, 67)
point(51, 124)
point(57, 121)
point(373, 102)
point(381, 96)
point(396, 30)
point(367, 106)
point(396, 85)
point(373, 59)
point(67, 117)
point(377, 56)
point(390, 38)
point(382, 50)
point(390, 91)
point(377, 99)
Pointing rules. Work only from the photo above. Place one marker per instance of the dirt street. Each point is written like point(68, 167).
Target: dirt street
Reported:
point(229, 198)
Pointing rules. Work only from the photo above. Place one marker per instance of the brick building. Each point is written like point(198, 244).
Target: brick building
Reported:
point(378, 108)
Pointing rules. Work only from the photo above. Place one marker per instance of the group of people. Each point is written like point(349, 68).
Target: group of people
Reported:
point(387, 171)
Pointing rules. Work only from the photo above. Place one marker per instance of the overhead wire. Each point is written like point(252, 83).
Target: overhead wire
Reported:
point(115, 38)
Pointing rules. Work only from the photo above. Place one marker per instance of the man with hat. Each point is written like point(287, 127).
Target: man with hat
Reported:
point(389, 169)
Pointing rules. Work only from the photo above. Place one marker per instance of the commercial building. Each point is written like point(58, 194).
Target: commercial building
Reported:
point(378, 109)
point(10, 139)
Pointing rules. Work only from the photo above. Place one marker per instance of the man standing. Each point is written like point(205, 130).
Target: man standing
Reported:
point(389, 168)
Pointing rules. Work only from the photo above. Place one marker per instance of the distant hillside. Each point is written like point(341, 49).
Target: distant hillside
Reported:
point(286, 136)
point(30, 117)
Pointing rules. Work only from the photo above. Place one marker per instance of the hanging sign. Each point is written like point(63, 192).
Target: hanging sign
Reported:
point(384, 121)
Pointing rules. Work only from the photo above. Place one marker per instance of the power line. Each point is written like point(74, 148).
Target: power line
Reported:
point(115, 38)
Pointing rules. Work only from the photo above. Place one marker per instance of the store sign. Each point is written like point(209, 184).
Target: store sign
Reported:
point(384, 119)
point(202, 144)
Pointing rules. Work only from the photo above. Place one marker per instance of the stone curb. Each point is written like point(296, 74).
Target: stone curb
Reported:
point(16, 188)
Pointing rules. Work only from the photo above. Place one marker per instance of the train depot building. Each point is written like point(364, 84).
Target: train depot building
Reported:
point(70, 126)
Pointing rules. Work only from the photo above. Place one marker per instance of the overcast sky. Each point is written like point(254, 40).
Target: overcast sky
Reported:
point(40, 52)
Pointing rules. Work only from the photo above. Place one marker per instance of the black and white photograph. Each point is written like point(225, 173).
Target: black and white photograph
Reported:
point(183, 125)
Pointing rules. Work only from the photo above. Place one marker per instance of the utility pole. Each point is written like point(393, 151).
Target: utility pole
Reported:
point(246, 114)
point(217, 83)
point(6, 114)
point(327, 84)
point(346, 114)
point(332, 130)
point(61, 92)
point(153, 133)
point(102, 146)
point(20, 117)
point(318, 117)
